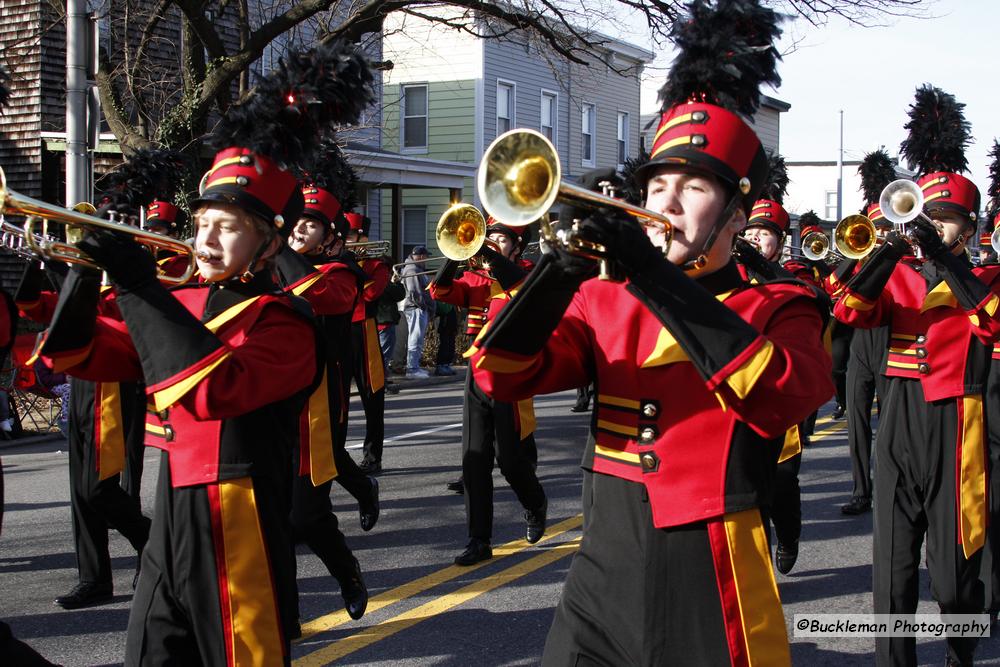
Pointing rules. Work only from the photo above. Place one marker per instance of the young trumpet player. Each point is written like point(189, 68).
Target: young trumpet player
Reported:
point(943, 319)
point(674, 567)
point(218, 574)
point(493, 429)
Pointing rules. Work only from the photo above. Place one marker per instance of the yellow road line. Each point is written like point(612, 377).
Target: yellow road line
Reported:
point(407, 619)
point(417, 586)
point(828, 432)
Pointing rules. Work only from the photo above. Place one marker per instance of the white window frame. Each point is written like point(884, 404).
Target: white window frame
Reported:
point(592, 160)
point(403, 148)
point(423, 227)
point(555, 114)
point(513, 104)
point(621, 139)
point(829, 209)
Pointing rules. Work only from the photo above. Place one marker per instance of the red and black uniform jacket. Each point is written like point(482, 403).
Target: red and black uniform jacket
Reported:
point(97, 406)
point(377, 272)
point(331, 287)
point(696, 383)
point(943, 320)
point(227, 368)
point(473, 290)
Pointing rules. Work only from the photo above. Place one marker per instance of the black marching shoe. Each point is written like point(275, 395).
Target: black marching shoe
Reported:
point(582, 406)
point(369, 510)
point(458, 486)
point(354, 592)
point(535, 520)
point(838, 412)
point(85, 594)
point(785, 556)
point(370, 467)
point(858, 505)
point(476, 552)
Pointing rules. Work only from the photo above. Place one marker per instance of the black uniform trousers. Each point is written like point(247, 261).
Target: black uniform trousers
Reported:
point(915, 494)
point(488, 432)
point(840, 351)
point(447, 333)
point(991, 552)
point(219, 564)
point(349, 475)
point(640, 595)
point(864, 381)
point(315, 524)
point(373, 402)
point(97, 504)
point(785, 512)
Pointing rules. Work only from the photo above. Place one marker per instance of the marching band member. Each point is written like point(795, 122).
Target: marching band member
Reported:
point(868, 347)
point(493, 429)
point(331, 288)
point(679, 357)
point(369, 368)
point(107, 418)
point(930, 458)
point(218, 577)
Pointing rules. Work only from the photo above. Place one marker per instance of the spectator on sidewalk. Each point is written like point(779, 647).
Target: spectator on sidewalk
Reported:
point(387, 317)
point(417, 307)
point(447, 327)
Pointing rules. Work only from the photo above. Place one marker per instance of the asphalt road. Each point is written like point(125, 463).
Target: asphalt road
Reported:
point(423, 610)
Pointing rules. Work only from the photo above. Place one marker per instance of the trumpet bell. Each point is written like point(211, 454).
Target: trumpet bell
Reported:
point(519, 179)
point(901, 201)
point(815, 246)
point(995, 241)
point(461, 231)
point(855, 236)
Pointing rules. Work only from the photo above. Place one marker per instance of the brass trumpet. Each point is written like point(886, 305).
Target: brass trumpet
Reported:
point(995, 240)
point(520, 178)
point(855, 236)
point(76, 223)
point(461, 232)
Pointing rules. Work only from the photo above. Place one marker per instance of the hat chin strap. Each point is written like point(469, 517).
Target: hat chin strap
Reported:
point(702, 259)
point(248, 275)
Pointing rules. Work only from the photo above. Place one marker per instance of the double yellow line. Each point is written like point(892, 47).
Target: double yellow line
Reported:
point(391, 626)
point(372, 634)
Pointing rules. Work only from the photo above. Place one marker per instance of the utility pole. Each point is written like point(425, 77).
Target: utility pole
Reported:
point(77, 158)
point(840, 171)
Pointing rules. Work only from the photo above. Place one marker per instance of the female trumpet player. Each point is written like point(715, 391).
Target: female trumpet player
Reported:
point(493, 429)
point(690, 362)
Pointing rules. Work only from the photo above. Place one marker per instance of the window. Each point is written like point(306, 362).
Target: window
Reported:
point(550, 114)
point(505, 107)
point(414, 117)
point(622, 138)
point(588, 118)
point(831, 205)
point(414, 227)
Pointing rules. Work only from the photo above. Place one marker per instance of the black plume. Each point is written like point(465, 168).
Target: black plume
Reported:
point(993, 190)
point(4, 88)
point(809, 219)
point(298, 102)
point(777, 179)
point(332, 172)
point(877, 170)
point(631, 191)
point(726, 53)
point(146, 175)
point(939, 132)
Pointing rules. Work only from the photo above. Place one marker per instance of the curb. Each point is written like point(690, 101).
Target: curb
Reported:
point(30, 440)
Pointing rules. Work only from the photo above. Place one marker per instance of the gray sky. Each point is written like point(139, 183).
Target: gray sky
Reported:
point(872, 73)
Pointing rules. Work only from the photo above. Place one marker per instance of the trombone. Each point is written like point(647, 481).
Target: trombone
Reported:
point(519, 180)
point(77, 223)
point(368, 249)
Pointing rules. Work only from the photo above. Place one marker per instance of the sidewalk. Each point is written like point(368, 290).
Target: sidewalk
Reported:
point(402, 383)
